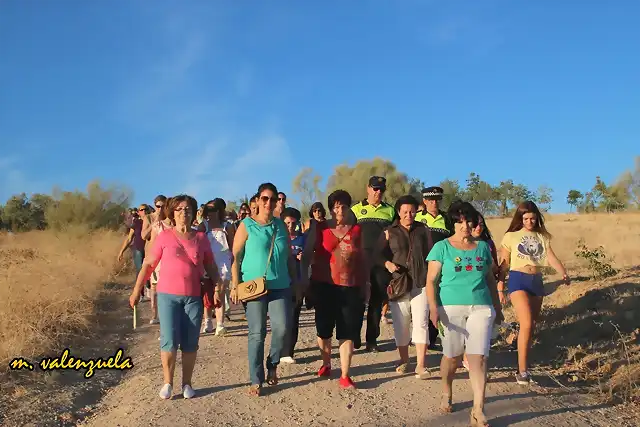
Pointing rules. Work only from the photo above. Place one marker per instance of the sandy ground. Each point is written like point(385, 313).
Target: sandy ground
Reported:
point(383, 397)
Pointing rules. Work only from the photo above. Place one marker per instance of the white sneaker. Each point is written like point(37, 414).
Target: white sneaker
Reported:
point(221, 331)
point(166, 392)
point(287, 359)
point(187, 391)
point(154, 321)
point(208, 326)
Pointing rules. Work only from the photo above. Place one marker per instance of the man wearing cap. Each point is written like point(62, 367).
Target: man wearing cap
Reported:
point(432, 216)
point(441, 228)
point(374, 216)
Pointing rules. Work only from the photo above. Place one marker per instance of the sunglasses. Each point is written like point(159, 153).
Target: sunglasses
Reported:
point(266, 199)
point(141, 210)
point(159, 206)
point(380, 189)
point(282, 198)
point(180, 209)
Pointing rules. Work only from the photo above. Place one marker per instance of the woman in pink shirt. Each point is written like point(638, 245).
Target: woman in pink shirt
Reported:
point(185, 255)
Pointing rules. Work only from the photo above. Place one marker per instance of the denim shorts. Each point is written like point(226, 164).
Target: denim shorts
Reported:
point(180, 318)
point(530, 283)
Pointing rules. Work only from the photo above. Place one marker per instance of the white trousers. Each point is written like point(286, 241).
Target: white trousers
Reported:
point(412, 308)
point(467, 328)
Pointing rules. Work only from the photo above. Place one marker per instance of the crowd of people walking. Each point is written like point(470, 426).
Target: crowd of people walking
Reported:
point(439, 273)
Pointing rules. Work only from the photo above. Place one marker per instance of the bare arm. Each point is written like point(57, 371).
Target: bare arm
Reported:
point(147, 220)
point(126, 243)
point(504, 255)
point(495, 296)
point(433, 278)
point(149, 264)
point(239, 242)
point(556, 264)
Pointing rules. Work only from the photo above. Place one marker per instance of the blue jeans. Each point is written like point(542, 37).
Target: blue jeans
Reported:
point(277, 302)
point(180, 318)
point(138, 257)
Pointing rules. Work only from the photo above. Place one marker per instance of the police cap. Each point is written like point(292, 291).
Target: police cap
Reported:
point(432, 193)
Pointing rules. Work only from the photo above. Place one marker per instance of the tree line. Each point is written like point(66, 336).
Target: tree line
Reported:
point(497, 199)
point(97, 207)
point(106, 207)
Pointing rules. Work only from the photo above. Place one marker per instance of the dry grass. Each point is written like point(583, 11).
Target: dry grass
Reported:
point(48, 285)
point(589, 330)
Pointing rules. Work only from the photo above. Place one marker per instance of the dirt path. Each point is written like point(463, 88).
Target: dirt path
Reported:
point(382, 398)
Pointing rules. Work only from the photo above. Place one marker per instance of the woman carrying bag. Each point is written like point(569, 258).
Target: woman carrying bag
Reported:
point(262, 257)
point(403, 253)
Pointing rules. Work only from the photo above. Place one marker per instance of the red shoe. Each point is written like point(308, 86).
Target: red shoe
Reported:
point(325, 371)
point(345, 382)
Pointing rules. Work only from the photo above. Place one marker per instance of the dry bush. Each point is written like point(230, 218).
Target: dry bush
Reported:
point(49, 282)
point(588, 331)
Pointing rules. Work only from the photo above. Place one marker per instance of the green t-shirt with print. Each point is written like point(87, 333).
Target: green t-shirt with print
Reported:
point(463, 278)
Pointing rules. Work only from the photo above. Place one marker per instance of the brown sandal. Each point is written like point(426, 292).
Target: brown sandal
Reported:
point(255, 390)
point(272, 376)
point(402, 368)
point(445, 404)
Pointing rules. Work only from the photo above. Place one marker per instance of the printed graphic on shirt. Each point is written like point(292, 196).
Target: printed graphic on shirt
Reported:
point(531, 248)
point(467, 263)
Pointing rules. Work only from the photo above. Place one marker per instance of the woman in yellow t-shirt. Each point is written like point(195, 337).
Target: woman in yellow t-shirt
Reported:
point(525, 250)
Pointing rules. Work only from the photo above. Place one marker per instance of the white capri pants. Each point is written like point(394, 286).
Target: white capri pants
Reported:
point(411, 308)
point(467, 326)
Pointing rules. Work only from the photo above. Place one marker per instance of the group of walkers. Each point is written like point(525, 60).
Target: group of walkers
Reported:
point(439, 273)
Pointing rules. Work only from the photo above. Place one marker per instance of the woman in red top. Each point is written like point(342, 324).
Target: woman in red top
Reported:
point(339, 284)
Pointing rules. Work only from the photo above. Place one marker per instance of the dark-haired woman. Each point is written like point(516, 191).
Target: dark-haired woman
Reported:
point(339, 283)
point(318, 213)
point(185, 256)
point(251, 247)
point(462, 296)
point(291, 217)
point(525, 250)
point(405, 247)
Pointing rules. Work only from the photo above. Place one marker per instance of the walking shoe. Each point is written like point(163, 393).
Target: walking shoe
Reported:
point(325, 371)
point(187, 392)
point(166, 391)
point(372, 348)
point(208, 326)
point(154, 321)
point(287, 359)
point(523, 378)
point(346, 383)
point(221, 331)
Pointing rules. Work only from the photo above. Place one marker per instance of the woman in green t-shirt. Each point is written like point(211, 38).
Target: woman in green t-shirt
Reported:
point(462, 296)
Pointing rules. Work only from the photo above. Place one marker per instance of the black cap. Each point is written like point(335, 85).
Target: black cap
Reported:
point(378, 182)
point(432, 193)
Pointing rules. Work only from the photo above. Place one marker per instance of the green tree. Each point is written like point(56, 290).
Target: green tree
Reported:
point(306, 187)
point(19, 214)
point(629, 184)
point(574, 197)
point(355, 179)
point(609, 198)
point(481, 194)
point(504, 193)
point(97, 208)
point(452, 191)
point(544, 197)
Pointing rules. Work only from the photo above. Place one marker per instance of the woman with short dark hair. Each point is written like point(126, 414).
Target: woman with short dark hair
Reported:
point(404, 249)
point(462, 296)
point(185, 255)
point(338, 282)
point(317, 213)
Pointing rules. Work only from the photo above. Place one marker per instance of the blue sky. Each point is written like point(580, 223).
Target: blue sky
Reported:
point(214, 97)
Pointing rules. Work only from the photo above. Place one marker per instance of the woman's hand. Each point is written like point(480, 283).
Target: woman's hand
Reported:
point(233, 294)
point(217, 301)
point(391, 267)
point(433, 316)
point(134, 298)
point(504, 298)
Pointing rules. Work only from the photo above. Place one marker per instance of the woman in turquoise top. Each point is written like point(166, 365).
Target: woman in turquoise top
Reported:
point(251, 247)
point(462, 296)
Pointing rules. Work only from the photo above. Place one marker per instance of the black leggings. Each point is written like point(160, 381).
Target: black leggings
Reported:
point(291, 338)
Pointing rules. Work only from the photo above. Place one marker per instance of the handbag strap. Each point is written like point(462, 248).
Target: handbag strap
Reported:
point(410, 251)
point(273, 241)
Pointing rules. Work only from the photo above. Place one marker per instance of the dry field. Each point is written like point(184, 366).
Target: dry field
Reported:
point(51, 285)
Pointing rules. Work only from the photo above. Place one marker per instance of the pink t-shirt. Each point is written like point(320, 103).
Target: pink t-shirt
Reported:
point(182, 262)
